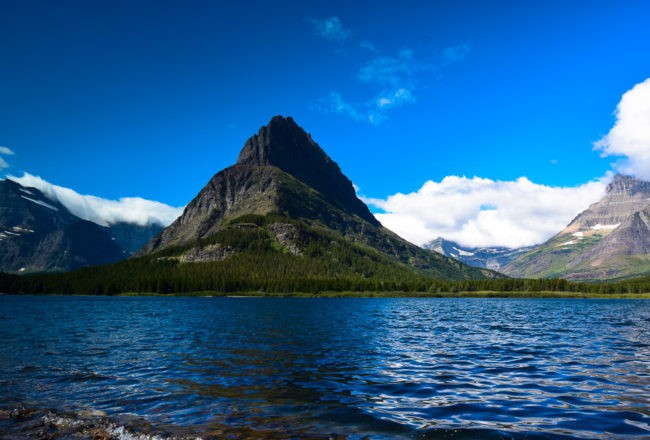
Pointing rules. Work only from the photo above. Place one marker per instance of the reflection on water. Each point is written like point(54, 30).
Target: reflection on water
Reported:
point(321, 368)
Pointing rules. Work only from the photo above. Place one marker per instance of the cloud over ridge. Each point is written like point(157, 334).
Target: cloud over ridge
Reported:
point(483, 212)
point(104, 211)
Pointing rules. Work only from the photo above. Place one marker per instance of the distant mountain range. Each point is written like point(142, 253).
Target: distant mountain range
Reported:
point(494, 258)
point(38, 234)
point(609, 240)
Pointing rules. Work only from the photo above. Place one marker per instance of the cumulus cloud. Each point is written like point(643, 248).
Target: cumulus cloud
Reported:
point(483, 212)
point(630, 136)
point(104, 211)
point(330, 28)
point(7, 152)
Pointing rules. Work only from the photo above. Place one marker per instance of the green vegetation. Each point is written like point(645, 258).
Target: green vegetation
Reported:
point(272, 254)
point(138, 277)
point(552, 259)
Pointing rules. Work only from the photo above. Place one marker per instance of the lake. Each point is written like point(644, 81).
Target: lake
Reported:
point(177, 367)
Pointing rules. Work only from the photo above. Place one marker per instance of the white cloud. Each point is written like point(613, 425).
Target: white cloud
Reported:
point(369, 111)
point(334, 103)
point(392, 72)
point(398, 97)
point(104, 211)
point(630, 136)
point(395, 76)
point(485, 212)
point(7, 152)
point(330, 28)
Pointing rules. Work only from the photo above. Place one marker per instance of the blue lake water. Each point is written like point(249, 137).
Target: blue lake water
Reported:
point(324, 368)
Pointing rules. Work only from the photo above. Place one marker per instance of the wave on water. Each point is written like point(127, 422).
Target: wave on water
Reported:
point(229, 368)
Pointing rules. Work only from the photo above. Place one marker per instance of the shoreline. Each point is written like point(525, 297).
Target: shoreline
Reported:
point(350, 294)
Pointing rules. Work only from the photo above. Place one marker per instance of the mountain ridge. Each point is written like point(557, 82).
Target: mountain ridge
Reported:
point(494, 258)
point(38, 234)
point(610, 239)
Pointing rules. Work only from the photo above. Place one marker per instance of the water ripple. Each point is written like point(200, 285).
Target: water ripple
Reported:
point(321, 368)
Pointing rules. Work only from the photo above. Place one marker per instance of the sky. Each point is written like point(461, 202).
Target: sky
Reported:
point(488, 123)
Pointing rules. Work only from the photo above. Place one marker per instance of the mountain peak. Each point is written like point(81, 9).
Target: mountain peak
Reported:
point(278, 143)
point(284, 144)
point(627, 185)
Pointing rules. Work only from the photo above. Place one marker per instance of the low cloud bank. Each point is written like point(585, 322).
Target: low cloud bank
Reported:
point(104, 211)
point(484, 212)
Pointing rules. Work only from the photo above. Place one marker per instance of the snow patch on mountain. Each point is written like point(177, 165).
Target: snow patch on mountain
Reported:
point(40, 202)
point(600, 227)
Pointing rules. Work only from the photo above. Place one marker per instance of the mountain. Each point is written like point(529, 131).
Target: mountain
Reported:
point(38, 234)
point(132, 237)
point(610, 239)
point(286, 199)
point(488, 257)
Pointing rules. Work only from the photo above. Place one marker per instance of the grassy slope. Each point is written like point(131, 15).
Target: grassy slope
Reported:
point(550, 260)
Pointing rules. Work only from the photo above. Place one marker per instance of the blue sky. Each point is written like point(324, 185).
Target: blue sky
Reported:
point(151, 98)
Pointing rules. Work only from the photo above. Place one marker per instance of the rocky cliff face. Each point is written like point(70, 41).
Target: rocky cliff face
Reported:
point(39, 235)
point(282, 173)
point(233, 192)
point(285, 145)
point(624, 196)
point(610, 239)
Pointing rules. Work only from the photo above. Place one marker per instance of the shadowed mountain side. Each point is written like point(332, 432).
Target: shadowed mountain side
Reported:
point(38, 234)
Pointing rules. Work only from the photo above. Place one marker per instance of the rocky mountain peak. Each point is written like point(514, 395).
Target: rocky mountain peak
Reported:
point(276, 144)
point(284, 144)
point(627, 186)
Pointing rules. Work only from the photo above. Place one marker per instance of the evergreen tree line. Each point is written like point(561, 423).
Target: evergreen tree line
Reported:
point(279, 275)
point(258, 262)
